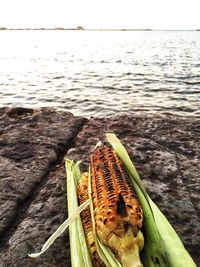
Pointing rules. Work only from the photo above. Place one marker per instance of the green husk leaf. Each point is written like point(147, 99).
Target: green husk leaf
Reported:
point(162, 244)
point(78, 246)
point(177, 255)
point(60, 230)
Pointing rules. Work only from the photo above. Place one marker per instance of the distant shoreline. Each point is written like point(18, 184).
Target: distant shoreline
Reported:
point(69, 29)
point(82, 29)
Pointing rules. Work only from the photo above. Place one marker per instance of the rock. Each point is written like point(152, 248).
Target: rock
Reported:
point(165, 150)
point(32, 143)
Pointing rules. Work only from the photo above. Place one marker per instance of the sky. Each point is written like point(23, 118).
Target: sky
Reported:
point(154, 14)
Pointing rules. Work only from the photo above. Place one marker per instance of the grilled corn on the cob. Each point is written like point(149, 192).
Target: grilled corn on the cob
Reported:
point(117, 211)
point(118, 216)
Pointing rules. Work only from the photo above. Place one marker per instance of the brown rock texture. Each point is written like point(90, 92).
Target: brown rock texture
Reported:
point(33, 143)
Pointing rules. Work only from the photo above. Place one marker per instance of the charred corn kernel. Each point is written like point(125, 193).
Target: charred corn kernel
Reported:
point(87, 221)
point(117, 211)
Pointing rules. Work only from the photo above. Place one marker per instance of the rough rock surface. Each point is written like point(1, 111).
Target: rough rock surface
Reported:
point(165, 150)
point(32, 200)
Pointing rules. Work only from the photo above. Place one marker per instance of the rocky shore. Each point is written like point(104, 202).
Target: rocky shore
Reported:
point(33, 144)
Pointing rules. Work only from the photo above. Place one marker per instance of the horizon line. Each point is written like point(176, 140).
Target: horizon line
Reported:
point(80, 28)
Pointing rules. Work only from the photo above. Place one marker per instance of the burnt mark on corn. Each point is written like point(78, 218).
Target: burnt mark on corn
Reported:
point(102, 174)
point(110, 176)
point(107, 176)
point(98, 185)
point(126, 227)
point(119, 174)
point(128, 181)
point(121, 207)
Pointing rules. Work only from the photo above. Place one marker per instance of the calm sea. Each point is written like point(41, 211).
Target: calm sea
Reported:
point(100, 73)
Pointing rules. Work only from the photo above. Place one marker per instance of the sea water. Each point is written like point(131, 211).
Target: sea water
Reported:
point(102, 73)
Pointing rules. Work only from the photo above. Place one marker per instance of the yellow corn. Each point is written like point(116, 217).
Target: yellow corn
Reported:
point(87, 221)
point(117, 211)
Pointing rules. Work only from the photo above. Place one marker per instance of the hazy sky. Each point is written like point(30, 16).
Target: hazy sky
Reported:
point(156, 14)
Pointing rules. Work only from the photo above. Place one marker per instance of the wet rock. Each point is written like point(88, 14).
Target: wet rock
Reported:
point(165, 150)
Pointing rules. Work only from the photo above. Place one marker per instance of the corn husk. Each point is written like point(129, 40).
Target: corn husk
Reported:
point(78, 246)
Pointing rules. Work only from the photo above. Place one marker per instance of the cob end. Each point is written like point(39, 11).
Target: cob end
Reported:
point(128, 246)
